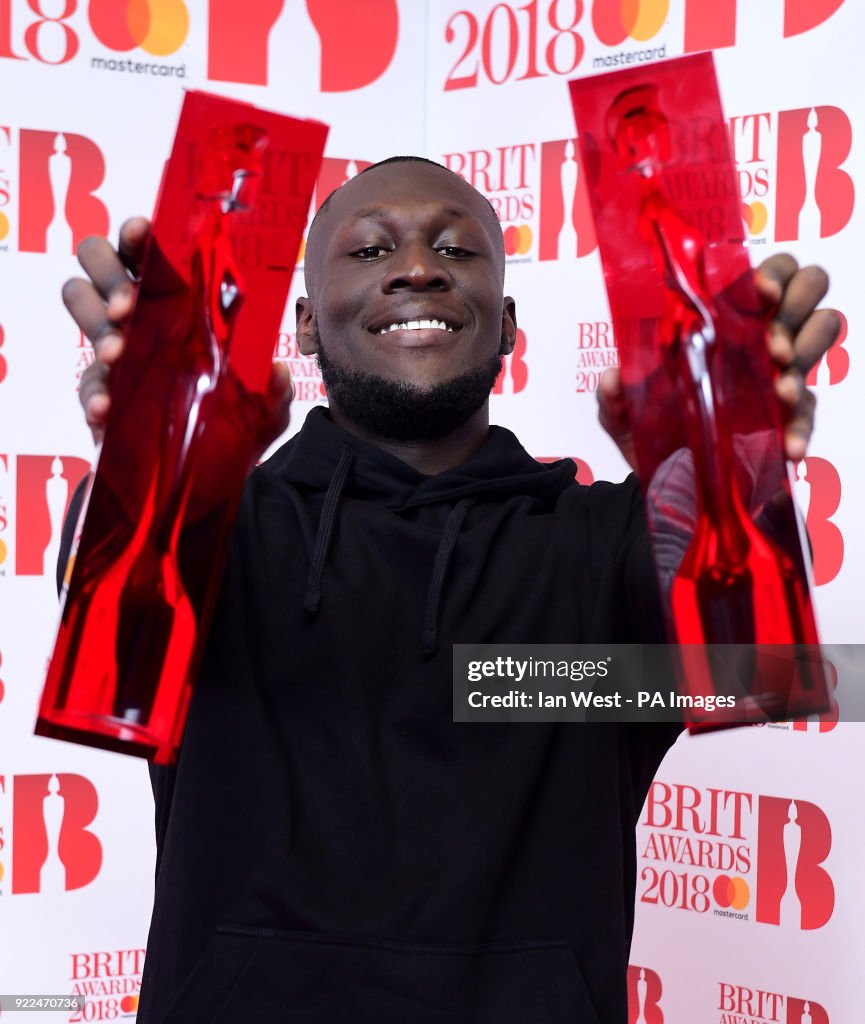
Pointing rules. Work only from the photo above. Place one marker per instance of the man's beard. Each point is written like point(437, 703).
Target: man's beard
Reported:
point(398, 411)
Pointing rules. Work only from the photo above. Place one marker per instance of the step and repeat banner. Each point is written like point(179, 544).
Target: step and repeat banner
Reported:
point(750, 907)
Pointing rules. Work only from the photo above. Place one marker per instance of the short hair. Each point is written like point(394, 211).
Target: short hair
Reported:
point(402, 160)
point(396, 160)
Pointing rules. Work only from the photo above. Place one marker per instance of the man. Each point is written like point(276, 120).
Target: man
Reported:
point(332, 847)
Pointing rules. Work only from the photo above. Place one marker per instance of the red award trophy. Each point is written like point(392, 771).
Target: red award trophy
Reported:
point(187, 403)
point(698, 381)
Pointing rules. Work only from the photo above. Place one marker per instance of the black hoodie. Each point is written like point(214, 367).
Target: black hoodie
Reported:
point(332, 847)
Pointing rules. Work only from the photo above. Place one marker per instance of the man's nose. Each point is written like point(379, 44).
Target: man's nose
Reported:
point(417, 267)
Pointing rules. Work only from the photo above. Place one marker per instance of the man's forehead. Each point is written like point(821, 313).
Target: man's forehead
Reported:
point(374, 193)
point(382, 212)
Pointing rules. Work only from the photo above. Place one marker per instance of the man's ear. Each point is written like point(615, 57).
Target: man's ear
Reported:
point(307, 336)
point(509, 326)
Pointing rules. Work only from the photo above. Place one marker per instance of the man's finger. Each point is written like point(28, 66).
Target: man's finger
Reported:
point(798, 430)
point(109, 276)
point(613, 414)
point(815, 338)
point(774, 274)
point(134, 234)
point(93, 395)
point(88, 311)
point(611, 397)
point(805, 290)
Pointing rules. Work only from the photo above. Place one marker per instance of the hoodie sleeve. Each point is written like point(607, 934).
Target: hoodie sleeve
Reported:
point(648, 741)
point(645, 617)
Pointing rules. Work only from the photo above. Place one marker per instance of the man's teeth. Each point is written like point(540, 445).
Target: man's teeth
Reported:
point(417, 325)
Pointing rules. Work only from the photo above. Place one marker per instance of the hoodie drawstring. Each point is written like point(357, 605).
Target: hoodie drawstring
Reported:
point(440, 568)
point(325, 529)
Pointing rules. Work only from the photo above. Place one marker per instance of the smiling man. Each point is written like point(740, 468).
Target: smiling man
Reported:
point(406, 313)
point(332, 847)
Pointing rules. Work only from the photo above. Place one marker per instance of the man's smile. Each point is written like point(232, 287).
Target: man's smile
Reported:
point(417, 325)
point(415, 317)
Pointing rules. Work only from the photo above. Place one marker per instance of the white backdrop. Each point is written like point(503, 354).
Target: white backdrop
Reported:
point(90, 99)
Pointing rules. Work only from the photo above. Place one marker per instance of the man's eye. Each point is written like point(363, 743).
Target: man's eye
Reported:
point(369, 252)
point(453, 251)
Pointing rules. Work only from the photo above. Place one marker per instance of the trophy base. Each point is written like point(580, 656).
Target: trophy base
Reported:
point(105, 732)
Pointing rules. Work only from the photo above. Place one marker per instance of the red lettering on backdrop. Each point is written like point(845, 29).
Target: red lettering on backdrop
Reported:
point(825, 536)
point(803, 15)
point(552, 228)
point(237, 40)
point(644, 996)
point(834, 192)
point(85, 214)
point(358, 40)
point(797, 1009)
point(32, 33)
point(837, 358)
point(799, 832)
point(34, 532)
point(77, 848)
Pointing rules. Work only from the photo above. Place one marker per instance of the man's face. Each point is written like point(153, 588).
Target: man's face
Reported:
point(405, 282)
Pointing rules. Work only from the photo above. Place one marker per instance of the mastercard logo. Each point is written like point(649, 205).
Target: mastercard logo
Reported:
point(756, 216)
point(616, 20)
point(129, 1004)
point(518, 239)
point(731, 892)
point(158, 27)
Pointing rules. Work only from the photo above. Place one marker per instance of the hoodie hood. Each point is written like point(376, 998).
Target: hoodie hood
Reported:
point(499, 469)
point(325, 458)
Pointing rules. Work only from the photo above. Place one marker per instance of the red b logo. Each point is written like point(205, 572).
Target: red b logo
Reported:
point(45, 484)
point(566, 229)
point(709, 26)
point(60, 172)
point(358, 40)
point(238, 34)
point(515, 373)
point(798, 1010)
point(644, 994)
point(793, 889)
point(814, 196)
point(818, 493)
point(836, 363)
point(51, 845)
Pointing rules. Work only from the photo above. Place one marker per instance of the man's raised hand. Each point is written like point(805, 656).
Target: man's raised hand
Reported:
point(799, 336)
point(101, 305)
